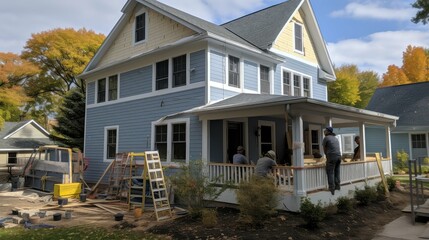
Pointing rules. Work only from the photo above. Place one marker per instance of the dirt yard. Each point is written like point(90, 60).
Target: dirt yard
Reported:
point(362, 223)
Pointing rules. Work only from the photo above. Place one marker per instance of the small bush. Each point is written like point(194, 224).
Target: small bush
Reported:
point(391, 183)
point(257, 200)
point(401, 164)
point(209, 218)
point(312, 214)
point(344, 204)
point(366, 195)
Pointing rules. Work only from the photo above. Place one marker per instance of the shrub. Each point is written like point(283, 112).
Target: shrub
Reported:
point(257, 200)
point(193, 187)
point(312, 214)
point(344, 204)
point(366, 195)
point(401, 163)
point(209, 218)
point(391, 183)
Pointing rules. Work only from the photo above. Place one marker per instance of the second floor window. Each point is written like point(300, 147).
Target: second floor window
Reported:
point(101, 90)
point(296, 85)
point(286, 83)
point(179, 71)
point(234, 72)
point(162, 75)
point(140, 29)
point(306, 86)
point(265, 79)
point(298, 38)
point(113, 87)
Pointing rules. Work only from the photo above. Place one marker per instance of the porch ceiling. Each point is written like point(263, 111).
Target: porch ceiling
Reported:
point(311, 110)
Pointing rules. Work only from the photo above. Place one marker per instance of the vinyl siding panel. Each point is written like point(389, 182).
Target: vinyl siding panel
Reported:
point(161, 31)
point(285, 40)
point(400, 141)
point(217, 67)
point(134, 121)
point(375, 140)
point(198, 63)
point(90, 93)
point(219, 94)
point(250, 76)
point(136, 82)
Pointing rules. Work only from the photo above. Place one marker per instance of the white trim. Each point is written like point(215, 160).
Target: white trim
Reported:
point(292, 84)
point(317, 128)
point(140, 12)
point(343, 142)
point(270, 79)
point(288, 55)
point(170, 123)
point(29, 122)
point(411, 142)
point(273, 134)
point(295, 23)
point(113, 127)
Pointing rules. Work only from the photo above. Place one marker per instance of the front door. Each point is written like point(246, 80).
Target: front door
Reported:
point(266, 137)
point(235, 138)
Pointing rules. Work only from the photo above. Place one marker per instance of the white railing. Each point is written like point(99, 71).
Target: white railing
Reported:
point(315, 176)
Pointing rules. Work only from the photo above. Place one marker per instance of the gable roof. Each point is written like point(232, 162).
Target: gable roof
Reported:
point(16, 144)
point(238, 32)
point(10, 128)
point(410, 102)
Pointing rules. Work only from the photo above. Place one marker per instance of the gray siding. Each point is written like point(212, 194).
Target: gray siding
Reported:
point(217, 67)
point(136, 82)
point(250, 76)
point(134, 119)
point(219, 94)
point(198, 64)
point(375, 140)
point(90, 93)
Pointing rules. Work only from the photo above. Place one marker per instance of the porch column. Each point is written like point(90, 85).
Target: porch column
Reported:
point(205, 142)
point(363, 147)
point(298, 155)
point(389, 148)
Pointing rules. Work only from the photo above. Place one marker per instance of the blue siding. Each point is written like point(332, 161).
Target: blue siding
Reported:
point(219, 94)
point(90, 93)
point(319, 90)
point(136, 82)
point(400, 141)
point(198, 64)
point(250, 76)
point(375, 140)
point(216, 141)
point(217, 67)
point(134, 119)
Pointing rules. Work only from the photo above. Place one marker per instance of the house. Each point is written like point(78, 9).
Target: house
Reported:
point(411, 103)
point(19, 139)
point(193, 90)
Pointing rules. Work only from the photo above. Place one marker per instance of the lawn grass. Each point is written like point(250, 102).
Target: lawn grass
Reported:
point(405, 180)
point(77, 232)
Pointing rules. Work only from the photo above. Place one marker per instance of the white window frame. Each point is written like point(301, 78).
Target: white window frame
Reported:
point(170, 124)
point(292, 83)
point(106, 129)
point(301, 51)
point(170, 73)
point(97, 100)
point(273, 134)
point(106, 90)
point(240, 72)
point(134, 27)
point(312, 127)
point(348, 138)
point(269, 79)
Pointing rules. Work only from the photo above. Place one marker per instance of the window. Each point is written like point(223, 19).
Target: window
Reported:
point(111, 142)
point(179, 142)
point(286, 83)
point(265, 79)
point(306, 86)
point(140, 28)
point(11, 159)
point(347, 143)
point(113, 87)
point(179, 71)
point(162, 75)
point(418, 140)
point(161, 141)
point(296, 85)
point(298, 37)
point(101, 90)
point(234, 72)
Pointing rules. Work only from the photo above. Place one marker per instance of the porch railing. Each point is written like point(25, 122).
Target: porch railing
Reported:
point(314, 176)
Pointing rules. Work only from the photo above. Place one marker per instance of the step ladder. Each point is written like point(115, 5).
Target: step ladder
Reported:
point(118, 179)
point(153, 175)
point(136, 190)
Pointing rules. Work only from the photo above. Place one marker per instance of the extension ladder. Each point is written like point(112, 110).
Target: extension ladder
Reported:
point(117, 179)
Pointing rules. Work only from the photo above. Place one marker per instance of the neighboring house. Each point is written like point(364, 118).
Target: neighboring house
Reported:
point(169, 81)
point(19, 139)
point(411, 103)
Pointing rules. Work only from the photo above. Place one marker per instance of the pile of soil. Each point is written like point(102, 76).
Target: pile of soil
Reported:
point(363, 222)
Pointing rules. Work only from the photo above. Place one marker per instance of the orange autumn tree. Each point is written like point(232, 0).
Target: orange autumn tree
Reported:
point(14, 71)
point(415, 64)
point(394, 76)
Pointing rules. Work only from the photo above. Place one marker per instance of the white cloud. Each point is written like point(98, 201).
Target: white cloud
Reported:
point(377, 51)
point(376, 10)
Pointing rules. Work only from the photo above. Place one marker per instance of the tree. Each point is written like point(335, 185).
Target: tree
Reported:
point(368, 83)
point(13, 71)
point(415, 64)
point(71, 120)
point(423, 14)
point(394, 76)
point(345, 90)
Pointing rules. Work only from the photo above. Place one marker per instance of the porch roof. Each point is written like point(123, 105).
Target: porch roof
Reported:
point(311, 110)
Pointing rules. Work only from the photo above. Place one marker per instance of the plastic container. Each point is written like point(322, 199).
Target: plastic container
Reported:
point(62, 201)
point(57, 216)
point(82, 197)
point(119, 217)
point(68, 214)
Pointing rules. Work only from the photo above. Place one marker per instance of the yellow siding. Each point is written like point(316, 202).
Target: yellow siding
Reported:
point(161, 30)
point(29, 131)
point(285, 40)
point(3, 158)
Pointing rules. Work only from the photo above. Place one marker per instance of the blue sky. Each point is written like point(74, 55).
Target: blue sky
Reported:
point(369, 33)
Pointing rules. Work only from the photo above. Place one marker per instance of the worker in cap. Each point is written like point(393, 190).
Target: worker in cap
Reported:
point(266, 164)
point(331, 148)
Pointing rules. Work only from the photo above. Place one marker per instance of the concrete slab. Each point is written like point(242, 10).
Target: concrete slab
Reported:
point(402, 229)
